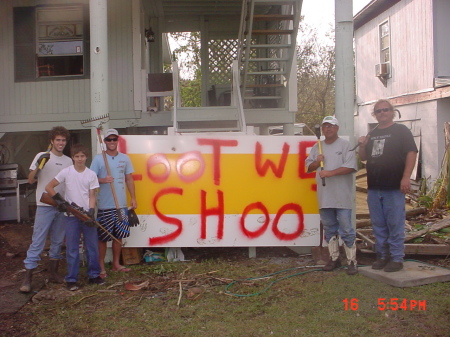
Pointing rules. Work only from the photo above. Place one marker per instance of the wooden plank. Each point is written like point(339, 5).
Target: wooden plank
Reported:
point(272, 17)
point(426, 249)
point(272, 32)
point(435, 227)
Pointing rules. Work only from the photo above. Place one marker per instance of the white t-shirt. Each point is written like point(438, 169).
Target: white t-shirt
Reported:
point(78, 185)
point(49, 171)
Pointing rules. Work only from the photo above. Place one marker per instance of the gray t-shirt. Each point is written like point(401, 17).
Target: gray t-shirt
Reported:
point(338, 190)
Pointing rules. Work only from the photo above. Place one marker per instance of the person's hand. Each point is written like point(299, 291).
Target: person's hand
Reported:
point(91, 215)
point(405, 185)
point(133, 204)
point(320, 158)
point(43, 159)
point(325, 174)
point(362, 141)
point(108, 179)
point(61, 204)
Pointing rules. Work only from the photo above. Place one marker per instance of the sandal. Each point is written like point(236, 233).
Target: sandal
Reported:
point(103, 274)
point(122, 269)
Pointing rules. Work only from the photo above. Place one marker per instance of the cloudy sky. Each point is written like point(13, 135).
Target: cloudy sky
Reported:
point(320, 13)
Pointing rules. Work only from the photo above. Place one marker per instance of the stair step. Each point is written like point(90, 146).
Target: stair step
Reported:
point(270, 46)
point(262, 97)
point(270, 85)
point(216, 113)
point(272, 32)
point(266, 73)
point(272, 17)
point(268, 59)
point(208, 126)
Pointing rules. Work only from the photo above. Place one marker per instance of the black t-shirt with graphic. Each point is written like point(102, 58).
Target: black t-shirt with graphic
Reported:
point(386, 155)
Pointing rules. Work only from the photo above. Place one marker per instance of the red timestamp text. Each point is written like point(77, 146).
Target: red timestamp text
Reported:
point(401, 304)
point(389, 304)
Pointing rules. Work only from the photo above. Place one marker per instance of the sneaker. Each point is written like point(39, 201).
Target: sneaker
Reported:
point(98, 280)
point(331, 265)
point(393, 266)
point(352, 269)
point(72, 286)
point(379, 264)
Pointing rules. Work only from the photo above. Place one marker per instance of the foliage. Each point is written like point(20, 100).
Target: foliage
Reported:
point(315, 75)
point(188, 57)
point(439, 194)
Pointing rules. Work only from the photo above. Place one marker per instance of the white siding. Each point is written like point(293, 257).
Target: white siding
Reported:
point(411, 51)
point(63, 100)
point(441, 37)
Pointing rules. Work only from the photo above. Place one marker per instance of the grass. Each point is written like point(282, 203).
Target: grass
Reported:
point(307, 304)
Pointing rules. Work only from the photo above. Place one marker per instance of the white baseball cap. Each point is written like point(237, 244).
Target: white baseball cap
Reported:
point(110, 132)
point(331, 120)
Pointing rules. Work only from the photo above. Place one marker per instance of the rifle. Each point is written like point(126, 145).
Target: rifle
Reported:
point(77, 211)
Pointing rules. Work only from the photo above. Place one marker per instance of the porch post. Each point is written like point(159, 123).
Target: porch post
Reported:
point(345, 73)
point(99, 65)
point(345, 76)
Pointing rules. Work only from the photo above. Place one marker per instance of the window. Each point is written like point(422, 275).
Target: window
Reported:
point(51, 42)
point(385, 42)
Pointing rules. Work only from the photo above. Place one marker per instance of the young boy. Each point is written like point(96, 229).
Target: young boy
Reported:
point(80, 185)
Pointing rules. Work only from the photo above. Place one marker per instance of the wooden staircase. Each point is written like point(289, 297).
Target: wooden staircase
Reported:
point(268, 36)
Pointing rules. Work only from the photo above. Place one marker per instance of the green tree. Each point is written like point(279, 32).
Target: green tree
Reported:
point(315, 76)
point(189, 60)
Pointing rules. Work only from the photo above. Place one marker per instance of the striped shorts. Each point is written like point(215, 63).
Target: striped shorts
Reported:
point(110, 220)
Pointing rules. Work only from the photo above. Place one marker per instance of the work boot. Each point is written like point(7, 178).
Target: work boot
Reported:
point(26, 283)
point(393, 266)
point(379, 264)
point(350, 252)
point(333, 248)
point(53, 270)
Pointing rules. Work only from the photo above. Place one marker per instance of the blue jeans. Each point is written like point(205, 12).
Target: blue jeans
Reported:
point(74, 228)
point(48, 221)
point(387, 214)
point(338, 221)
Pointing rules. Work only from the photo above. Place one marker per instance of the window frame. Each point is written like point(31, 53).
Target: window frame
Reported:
point(386, 50)
point(26, 45)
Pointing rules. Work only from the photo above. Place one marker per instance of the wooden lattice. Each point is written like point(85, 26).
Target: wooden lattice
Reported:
point(222, 53)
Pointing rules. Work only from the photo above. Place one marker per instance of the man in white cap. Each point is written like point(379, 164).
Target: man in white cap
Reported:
point(121, 170)
point(335, 198)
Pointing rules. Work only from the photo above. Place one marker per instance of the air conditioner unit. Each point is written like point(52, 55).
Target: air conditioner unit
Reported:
point(382, 70)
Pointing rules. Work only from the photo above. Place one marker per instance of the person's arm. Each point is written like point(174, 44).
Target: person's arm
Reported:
point(31, 175)
point(410, 162)
point(336, 172)
point(50, 188)
point(362, 147)
point(92, 199)
point(130, 185)
point(315, 164)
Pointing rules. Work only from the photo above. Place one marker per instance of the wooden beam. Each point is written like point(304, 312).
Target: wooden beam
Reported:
point(438, 93)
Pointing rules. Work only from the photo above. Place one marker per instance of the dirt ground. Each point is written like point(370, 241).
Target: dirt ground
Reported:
point(14, 242)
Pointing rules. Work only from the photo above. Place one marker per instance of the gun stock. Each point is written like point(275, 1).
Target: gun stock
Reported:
point(47, 199)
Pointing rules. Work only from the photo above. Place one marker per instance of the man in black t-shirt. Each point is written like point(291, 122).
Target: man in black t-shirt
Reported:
point(391, 154)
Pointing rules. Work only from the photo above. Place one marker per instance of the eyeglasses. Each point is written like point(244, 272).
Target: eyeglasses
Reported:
point(377, 111)
point(111, 139)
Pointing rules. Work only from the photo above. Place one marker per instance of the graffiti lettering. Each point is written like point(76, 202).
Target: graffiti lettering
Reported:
point(262, 169)
point(216, 145)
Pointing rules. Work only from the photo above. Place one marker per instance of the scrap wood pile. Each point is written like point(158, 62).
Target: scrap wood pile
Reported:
point(428, 225)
